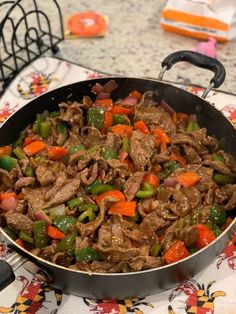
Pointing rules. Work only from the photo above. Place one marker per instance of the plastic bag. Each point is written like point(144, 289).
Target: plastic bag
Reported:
point(201, 18)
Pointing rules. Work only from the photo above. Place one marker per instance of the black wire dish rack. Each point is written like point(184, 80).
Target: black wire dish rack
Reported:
point(26, 32)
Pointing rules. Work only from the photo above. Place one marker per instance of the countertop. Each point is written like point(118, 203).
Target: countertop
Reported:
point(135, 44)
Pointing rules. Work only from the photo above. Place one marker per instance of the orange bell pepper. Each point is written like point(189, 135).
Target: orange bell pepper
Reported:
point(180, 159)
point(176, 252)
point(122, 130)
point(114, 193)
point(55, 233)
point(161, 136)
point(188, 179)
point(124, 208)
point(5, 196)
point(34, 147)
point(20, 242)
point(104, 103)
point(57, 152)
point(205, 236)
point(136, 94)
point(141, 126)
point(28, 140)
point(152, 179)
point(5, 150)
point(108, 120)
point(121, 110)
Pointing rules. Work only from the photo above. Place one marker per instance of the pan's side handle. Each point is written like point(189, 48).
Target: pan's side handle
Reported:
point(6, 275)
point(199, 60)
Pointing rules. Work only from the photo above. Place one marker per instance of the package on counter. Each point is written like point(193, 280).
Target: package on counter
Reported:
point(201, 18)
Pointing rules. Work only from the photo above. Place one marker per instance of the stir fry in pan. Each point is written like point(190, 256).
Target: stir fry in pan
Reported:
point(121, 185)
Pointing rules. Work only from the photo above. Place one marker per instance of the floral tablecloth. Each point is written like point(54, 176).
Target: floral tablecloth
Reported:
point(211, 291)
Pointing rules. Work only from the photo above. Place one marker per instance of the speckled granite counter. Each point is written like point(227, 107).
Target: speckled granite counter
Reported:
point(135, 44)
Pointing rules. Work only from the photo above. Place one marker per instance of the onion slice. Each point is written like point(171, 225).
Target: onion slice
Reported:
point(170, 182)
point(167, 107)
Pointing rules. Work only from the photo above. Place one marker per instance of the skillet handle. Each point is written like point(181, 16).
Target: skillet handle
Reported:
point(199, 60)
point(6, 275)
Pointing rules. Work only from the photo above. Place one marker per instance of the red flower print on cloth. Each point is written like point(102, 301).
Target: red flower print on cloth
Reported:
point(228, 255)
point(6, 110)
point(199, 299)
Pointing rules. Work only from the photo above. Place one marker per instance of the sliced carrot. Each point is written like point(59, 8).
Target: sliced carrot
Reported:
point(188, 179)
point(205, 236)
point(122, 130)
point(20, 196)
point(114, 193)
point(121, 110)
point(152, 179)
point(136, 94)
point(20, 242)
point(57, 152)
point(141, 126)
point(55, 233)
point(105, 103)
point(124, 208)
point(5, 150)
point(161, 136)
point(34, 147)
point(180, 159)
point(108, 120)
point(7, 195)
point(28, 140)
point(176, 252)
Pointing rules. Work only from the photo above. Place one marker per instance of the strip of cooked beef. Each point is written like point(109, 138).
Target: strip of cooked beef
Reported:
point(91, 136)
point(152, 222)
point(24, 181)
point(63, 259)
point(206, 182)
point(191, 155)
point(165, 210)
point(141, 149)
point(89, 175)
point(161, 157)
point(86, 229)
point(48, 252)
point(57, 186)
point(226, 195)
point(145, 207)
point(230, 161)
point(73, 114)
point(35, 196)
point(208, 197)
point(132, 185)
point(21, 207)
point(188, 235)
point(219, 166)
point(19, 222)
point(44, 173)
point(113, 140)
point(6, 181)
point(155, 116)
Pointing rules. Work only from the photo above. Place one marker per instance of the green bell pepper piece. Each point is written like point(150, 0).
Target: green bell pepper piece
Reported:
point(222, 179)
point(40, 234)
point(35, 127)
point(218, 214)
point(125, 268)
point(109, 153)
point(87, 254)
point(64, 222)
point(85, 207)
point(61, 127)
point(101, 188)
point(221, 144)
point(144, 194)
point(20, 140)
point(193, 250)
point(89, 213)
point(76, 149)
point(25, 237)
point(192, 126)
point(119, 119)
point(29, 172)
point(147, 187)
point(217, 157)
point(20, 154)
point(45, 128)
point(126, 144)
point(95, 117)
point(93, 185)
point(54, 114)
point(155, 249)
point(168, 168)
point(75, 202)
point(136, 217)
point(195, 216)
point(7, 162)
point(66, 243)
point(39, 159)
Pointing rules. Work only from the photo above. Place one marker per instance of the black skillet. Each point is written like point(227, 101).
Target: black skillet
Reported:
point(142, 283)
